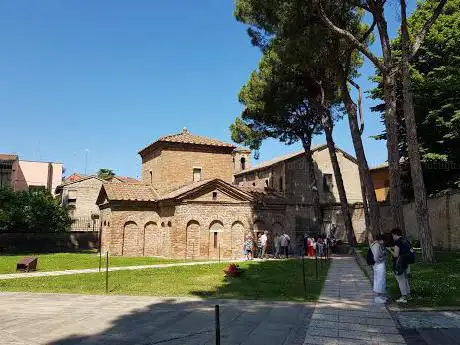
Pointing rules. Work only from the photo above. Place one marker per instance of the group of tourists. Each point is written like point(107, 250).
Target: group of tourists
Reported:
point(317, 246)
point(280, 243)
point(403, 255)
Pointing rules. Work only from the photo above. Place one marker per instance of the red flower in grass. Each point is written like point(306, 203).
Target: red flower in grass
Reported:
point(233, 271)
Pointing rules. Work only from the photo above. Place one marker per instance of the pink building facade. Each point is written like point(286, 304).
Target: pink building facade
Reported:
point(29, 175)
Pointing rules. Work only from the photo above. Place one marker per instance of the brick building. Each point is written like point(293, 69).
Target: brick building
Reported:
point(196, 199)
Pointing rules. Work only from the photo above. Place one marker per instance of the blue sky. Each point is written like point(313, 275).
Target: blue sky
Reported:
point(105, 78)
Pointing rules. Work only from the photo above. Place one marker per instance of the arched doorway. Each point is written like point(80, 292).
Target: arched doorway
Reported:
point(153, 241)
point(216, 230)
point(132, 240)
point(192, 249)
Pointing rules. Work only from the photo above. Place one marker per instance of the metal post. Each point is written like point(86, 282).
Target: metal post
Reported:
point(217, 317)
point(303, 273)
point(107, 274)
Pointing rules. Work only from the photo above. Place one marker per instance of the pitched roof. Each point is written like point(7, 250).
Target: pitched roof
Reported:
point(184, 189)
point(124, 179)
point(280, 159)
point(83, 178)
point(380, 166)
point(129, 192)
point(185, 137)
point(8, 157)
point(74, 177)
point(265, 195)
point(253, 194)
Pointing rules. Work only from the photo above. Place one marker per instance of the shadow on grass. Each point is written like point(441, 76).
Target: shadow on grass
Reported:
point(273, 280)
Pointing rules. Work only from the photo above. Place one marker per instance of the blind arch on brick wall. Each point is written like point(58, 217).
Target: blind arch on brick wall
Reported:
point(216, 226)
point(192, 240)
point(132, 239)
point(153, 241)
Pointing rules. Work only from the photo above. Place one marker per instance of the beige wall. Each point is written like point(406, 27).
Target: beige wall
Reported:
point(86, 193)
point(173, 168)
point(294, 178)
point(29, 173)
point(444, 212)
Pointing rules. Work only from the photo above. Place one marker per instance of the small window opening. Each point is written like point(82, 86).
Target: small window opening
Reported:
point(281, 183)
point(214, 195)
point(243, 163)
point(196, 174)
point(215, 239)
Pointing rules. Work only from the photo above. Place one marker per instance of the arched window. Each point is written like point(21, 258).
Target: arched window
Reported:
point(243, 163)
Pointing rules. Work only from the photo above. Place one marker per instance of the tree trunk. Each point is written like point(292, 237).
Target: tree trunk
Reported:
point(391, 123)
point(328, 127)
point(367, 221)
point(421, 209)
point(313, 184)
point(363, 167)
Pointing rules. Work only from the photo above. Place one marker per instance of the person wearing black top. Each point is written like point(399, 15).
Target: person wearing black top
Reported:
point(402, 268)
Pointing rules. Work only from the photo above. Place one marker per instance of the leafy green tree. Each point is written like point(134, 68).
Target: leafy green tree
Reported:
point(435, 78)
point(388, 66)
point(31, 211)
point(277, 107)
point(105, 174)
point(307, 42)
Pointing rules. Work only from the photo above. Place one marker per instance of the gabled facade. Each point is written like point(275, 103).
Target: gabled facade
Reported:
point(199, 198)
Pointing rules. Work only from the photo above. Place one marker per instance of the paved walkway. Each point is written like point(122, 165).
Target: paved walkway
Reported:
point(429, 327)
point(346, 314)
point(59, 319)
point(95, 270)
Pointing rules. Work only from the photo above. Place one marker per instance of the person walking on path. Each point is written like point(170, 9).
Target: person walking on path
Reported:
point(310, 246)
point(248, 245)
point(276, 243)
point(264, 242)
point(380, 284)
point(320, 247)
point(401, 254)
point(259, 245)
point(284, 241)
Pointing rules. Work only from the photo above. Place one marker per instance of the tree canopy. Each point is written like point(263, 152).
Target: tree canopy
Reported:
point(435, 76)
point(105, 173)
point(31, 211)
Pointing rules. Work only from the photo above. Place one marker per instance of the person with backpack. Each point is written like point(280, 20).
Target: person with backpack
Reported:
point(403, 255)
point(376, 257)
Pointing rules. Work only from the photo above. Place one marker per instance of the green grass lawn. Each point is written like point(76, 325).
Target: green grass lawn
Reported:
point(69, 261)
point(270, 280)
point(433, 285)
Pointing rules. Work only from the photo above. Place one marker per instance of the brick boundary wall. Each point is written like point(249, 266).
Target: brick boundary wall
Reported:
point(48, 242)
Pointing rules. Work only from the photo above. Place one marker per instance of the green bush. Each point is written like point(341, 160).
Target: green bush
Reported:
point(31, 211)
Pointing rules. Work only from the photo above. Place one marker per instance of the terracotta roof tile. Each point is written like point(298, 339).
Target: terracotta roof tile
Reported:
point(185, 137)
point(184, 189)
point(131, 192)
point(8, 157)
point(267, 195)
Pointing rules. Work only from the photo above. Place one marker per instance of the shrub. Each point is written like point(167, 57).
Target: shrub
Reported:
point(31, 211)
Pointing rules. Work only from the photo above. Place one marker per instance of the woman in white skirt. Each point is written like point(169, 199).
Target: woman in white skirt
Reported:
point(380, 284)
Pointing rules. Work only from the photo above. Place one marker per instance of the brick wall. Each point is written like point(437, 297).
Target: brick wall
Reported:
point(172, 166)
point(48, 242)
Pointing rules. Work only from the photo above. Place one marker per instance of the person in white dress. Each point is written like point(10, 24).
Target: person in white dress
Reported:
point(380, 283)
